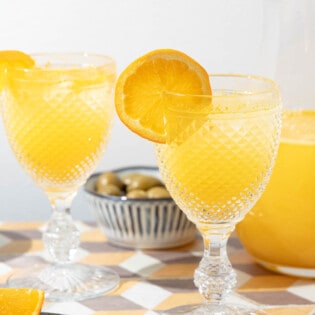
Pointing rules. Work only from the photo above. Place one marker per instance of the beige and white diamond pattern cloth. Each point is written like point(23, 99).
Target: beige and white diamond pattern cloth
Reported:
point(153, 280)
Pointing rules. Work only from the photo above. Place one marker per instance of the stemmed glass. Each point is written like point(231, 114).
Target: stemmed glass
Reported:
point(58, 116)
point(217, 159)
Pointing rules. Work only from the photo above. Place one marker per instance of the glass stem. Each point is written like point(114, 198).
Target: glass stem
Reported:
point(61, 238)
point(215, 276)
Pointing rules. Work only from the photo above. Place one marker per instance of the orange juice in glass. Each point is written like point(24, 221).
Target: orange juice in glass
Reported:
point(58, 121)
point(216, 139)
point(58, 116)
point(217, 158)
point(279, 231)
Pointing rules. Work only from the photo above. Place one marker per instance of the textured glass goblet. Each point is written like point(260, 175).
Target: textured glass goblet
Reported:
point(58, 116)
point(216, 161)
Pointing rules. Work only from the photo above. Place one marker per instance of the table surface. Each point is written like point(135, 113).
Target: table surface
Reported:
point(153, 280)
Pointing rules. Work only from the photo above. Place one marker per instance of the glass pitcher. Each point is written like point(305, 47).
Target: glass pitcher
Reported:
point(280, 230)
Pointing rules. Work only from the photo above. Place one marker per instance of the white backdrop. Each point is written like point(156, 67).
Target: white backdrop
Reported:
point(223, 35)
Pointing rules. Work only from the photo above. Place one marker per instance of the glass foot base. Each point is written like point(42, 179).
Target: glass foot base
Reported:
point(67, 282)
point(203, 309)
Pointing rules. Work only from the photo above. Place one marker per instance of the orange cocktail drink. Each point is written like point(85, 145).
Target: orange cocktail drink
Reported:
point(215, 162)
point(58, 113)
point(58, 121)
point(216, 141)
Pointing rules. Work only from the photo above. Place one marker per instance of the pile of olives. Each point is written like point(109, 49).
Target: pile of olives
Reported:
point(132, 185)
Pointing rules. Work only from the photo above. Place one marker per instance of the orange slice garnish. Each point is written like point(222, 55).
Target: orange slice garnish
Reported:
point(21, 301)
point(13, 58)
point(140, 89)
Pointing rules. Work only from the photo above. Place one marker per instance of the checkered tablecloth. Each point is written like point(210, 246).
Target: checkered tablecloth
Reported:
point(153, 280)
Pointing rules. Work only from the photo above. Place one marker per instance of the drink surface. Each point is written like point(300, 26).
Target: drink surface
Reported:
point(280, 228)
point(58, 122)
point(216, 166)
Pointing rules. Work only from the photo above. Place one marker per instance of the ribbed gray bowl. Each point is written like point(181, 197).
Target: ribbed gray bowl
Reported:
point(139, 223)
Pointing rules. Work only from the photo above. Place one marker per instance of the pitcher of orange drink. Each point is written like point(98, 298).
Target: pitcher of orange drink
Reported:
point(280, 230)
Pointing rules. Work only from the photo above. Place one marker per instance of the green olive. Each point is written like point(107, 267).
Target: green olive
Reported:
point(137, 193)
point(143, 182)
point(109, 178)
point(128, 178)
point(109, 189)
point(133, 185)
point(158, 192)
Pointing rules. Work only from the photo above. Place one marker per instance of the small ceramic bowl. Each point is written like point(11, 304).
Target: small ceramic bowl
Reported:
point(139, 223)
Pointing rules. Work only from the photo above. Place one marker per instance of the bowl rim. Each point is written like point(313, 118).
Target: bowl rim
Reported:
point(124, 198)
